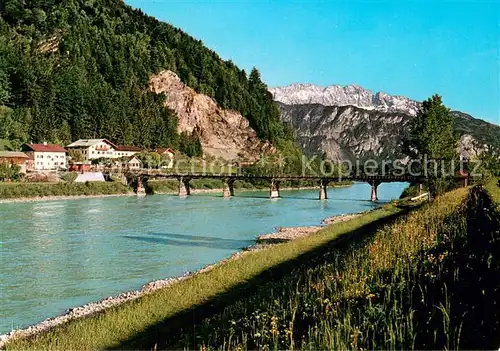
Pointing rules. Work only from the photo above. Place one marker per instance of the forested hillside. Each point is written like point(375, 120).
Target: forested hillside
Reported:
point(79, 69)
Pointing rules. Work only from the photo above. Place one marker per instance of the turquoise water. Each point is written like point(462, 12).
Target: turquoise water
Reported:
point(57, 255)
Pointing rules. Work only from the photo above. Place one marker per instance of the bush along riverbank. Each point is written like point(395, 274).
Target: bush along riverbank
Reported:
point(62, 189)
point(171, 186)
point(69, 189)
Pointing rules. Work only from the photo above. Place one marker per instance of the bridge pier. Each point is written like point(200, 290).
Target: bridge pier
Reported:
point(323, 195)
point(274, 191)
point(123, 179)
point(184, 188)
point(140, 190)
point(227, 188)
point(374, 184)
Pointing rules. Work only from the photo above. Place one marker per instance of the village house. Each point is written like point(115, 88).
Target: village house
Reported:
point(46, 156)
point(80, 167)
point(167, 156)
point(131, 163)
point(92, 149)
point(16, 158)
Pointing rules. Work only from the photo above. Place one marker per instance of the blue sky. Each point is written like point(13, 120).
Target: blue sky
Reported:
point(411, 48)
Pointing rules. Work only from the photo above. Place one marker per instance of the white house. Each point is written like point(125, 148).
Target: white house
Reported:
point(167, 155)
point(102, 148)
point(131, 163)
point(46, 156)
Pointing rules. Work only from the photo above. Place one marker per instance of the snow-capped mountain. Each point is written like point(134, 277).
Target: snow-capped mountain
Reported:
point(351, 122)
point(349, 95)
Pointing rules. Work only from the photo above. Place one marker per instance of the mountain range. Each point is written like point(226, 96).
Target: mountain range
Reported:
point(337, 95)
point(348, 122)
point(101, 69)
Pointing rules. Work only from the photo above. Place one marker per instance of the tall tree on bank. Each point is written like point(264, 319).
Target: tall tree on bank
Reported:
point(432, 142)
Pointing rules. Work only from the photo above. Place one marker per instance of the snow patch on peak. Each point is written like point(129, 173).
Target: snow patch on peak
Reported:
point(337, 95)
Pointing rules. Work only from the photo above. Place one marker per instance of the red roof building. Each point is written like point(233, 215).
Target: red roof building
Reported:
point(43, 148)
point(46, 156)
point(164, 151)
point(128, 148)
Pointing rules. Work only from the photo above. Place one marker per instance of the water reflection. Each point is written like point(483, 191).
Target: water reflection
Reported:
point(192, 240)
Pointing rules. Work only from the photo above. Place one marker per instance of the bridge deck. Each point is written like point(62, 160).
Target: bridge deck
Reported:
point(279, 177)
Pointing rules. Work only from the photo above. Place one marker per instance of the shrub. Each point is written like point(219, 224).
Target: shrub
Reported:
point(69, 177)
point(27, 190)
point(9, 172)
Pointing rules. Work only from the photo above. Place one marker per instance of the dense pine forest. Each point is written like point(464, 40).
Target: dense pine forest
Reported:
point(79, 69)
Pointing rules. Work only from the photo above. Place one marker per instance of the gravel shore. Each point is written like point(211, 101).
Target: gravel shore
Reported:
point(264, 241)
point(62, 197)
point(108, 302)
point(283, 234)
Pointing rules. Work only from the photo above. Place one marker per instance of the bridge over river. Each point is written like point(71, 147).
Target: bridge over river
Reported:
point(227, 179)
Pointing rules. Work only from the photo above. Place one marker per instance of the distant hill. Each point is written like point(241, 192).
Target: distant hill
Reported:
point(80, 69)
point(482, 131)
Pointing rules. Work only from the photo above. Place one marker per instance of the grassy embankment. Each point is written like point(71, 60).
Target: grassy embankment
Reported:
point(35, 190)
point(427, 280)
point(172, 186)
point(225, 282)
point(430, 280)
point(493, 188)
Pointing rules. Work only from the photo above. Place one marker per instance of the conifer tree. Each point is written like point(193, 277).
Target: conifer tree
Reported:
point(431, 141)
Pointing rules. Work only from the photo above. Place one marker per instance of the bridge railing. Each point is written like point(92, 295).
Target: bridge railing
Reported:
point(362, 177)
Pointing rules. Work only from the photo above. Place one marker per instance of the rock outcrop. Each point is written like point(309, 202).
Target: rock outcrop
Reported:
point(350, 132)
point(345, 132)
point(223, 133)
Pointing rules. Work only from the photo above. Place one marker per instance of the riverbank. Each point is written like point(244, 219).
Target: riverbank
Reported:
point(11, 195)
point(283, 234)
point(210, 185)
point(91, 309)
point(61, 197)
point(19, 192)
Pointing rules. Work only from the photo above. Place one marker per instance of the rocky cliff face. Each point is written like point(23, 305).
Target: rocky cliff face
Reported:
point(350, 132)
point(223, 133)
point(345, 132)
point(350, 95)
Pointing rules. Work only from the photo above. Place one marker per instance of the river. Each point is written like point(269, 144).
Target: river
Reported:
point(56, 255)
